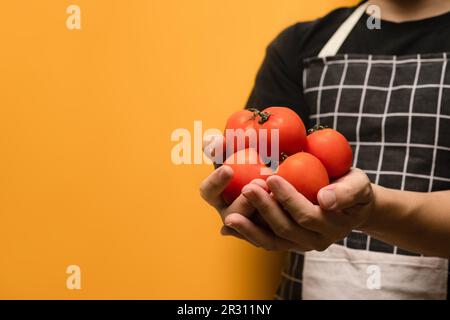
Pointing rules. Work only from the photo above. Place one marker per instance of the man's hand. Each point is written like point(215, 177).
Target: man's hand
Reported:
point(289, 221)
point(211, 191)
point(295, 222)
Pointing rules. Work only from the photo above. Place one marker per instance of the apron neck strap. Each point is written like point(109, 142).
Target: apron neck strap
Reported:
point(334, 44)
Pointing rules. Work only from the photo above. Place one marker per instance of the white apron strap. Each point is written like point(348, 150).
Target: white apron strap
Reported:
point(334, 44)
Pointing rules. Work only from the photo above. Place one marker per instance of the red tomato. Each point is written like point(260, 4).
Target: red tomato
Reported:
point(247, 166)
point(243, 119)
point(306, 173)
point(292, 132)
point(332, 149)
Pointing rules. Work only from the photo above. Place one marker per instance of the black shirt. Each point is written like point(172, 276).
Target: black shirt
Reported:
point(279, 79)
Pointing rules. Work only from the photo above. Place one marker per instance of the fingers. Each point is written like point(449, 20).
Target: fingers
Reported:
point(229, 232)
point(288, 197)
point(280, 223)
point(211, 190)
point(212, 187)
point(241, 205)
point(261, 183)
point(267, 207)
point(256, 235)
point(351, 190)
point(302, 211)
point(295, 220)
point(245, 208)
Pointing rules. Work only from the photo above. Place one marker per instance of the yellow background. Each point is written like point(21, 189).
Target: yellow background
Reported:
point(85, 122)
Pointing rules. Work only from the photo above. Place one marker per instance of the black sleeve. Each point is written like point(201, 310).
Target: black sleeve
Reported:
point(278, 82)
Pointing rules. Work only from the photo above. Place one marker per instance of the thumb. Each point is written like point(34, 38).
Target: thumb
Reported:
point(352, 190)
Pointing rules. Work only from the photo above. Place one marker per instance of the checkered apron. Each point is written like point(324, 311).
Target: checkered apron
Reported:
point(395, 111)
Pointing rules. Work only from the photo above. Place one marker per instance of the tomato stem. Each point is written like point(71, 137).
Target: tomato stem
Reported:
point(284, 156)
point(264, 117)
point(255, 111)
point(317, 127)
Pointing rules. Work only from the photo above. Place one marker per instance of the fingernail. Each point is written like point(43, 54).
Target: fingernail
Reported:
point(328, 198)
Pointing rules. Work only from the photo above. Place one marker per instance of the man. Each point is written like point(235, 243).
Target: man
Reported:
point(388, 91)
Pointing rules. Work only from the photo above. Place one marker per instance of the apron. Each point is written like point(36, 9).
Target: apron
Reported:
point(395, 111)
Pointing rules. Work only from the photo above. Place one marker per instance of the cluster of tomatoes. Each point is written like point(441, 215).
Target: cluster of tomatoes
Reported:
point(308, 160)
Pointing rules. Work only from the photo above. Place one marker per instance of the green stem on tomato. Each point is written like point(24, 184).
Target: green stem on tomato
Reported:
point(255, 111)
point(317, 127)
point(264, 117)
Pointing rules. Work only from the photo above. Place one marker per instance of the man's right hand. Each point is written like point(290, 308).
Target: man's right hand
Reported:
point(211, 191)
